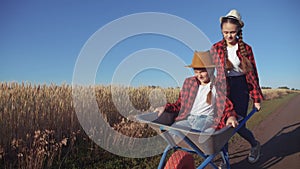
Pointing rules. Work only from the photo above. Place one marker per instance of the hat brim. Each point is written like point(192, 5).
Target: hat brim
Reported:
point(223, 17)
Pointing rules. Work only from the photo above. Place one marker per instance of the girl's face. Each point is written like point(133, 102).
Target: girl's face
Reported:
point(229, 31)
point(202, 75)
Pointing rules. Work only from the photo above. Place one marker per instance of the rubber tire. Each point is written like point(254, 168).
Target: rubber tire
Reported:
point(180, 160)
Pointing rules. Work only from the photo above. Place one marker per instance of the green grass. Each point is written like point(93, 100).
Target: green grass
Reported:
point(268, 107)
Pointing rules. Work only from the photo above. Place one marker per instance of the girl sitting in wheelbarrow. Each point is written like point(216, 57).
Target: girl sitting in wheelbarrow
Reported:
point(200, 106)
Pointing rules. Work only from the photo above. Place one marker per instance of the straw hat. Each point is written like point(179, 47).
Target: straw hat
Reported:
point(234, 14)
point(202, 60)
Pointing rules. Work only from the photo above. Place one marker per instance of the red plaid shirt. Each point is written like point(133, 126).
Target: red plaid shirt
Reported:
point(251, 77)
point(186, 100)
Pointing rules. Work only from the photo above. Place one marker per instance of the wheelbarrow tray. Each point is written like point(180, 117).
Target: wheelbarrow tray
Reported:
point(210, 142)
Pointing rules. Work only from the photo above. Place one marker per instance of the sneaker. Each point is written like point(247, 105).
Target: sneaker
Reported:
point(222, 165)
point(254, 154)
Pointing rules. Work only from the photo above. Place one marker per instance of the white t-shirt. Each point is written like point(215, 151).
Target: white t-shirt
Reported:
point(234, 59)
point(200, 107)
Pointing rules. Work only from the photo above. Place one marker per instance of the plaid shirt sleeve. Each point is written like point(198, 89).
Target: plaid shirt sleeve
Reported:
point(219, 60)
point(228, 111)
point(176, 107)
point(224, 105)
point(186, 99)
point(252, 79)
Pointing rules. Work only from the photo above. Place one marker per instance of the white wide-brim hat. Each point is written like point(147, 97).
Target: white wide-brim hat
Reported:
point(234, 14)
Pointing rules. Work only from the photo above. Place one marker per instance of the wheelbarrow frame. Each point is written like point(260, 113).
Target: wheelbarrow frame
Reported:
point(207, 150)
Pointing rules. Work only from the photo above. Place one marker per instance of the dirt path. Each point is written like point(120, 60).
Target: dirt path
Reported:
point(279, 135)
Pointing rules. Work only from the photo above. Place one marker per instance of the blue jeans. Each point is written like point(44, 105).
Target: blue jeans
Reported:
point(196, 122)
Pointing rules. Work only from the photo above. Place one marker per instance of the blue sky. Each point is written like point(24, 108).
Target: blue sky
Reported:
point(40, 41)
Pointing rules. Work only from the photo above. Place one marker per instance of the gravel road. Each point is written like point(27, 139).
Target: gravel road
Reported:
point(279, 135)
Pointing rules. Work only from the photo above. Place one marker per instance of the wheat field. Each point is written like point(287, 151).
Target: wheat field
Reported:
point(39, 126)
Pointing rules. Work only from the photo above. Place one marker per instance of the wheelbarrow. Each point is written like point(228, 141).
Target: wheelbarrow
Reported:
point(186, 141)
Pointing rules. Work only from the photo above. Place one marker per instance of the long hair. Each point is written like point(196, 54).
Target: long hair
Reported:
point(212, 80)
point(245, 64)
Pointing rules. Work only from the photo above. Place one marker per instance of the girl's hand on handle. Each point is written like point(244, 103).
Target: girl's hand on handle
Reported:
point(231, 121)
point(159, 110)
point(257, 106)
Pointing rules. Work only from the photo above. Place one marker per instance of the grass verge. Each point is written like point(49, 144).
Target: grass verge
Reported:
point(268, 107)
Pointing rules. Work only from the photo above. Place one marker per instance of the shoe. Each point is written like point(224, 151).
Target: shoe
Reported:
point(222, 165)
point(254, 153)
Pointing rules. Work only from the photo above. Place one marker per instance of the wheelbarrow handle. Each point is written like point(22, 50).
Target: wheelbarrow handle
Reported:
point(254, 110)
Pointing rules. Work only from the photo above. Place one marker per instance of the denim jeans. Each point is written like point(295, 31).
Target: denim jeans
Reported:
point(196, 122)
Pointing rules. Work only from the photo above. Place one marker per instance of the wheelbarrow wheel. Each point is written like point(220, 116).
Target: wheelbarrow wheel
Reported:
point(180, 160)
